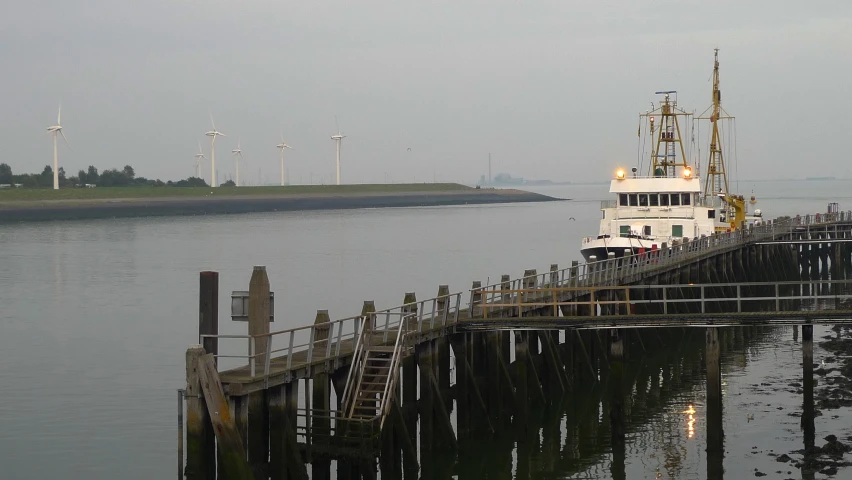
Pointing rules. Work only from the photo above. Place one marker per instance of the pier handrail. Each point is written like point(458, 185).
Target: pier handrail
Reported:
point(335, 340)
point(348, 391)
point(695, 294)
point(402, 320)
point(633, 267)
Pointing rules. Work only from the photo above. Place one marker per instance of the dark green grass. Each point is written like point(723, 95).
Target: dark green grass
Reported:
point(39, 194)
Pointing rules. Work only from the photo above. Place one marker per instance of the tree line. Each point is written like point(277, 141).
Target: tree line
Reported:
point(126, 177)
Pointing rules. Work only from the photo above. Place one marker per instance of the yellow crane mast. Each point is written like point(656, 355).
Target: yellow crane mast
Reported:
point(716, 182)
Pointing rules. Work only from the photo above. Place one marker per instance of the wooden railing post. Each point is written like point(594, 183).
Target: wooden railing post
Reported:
point(258, 313)
point(208, 311)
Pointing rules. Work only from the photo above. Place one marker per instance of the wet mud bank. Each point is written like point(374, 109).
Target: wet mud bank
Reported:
point(212, 205)
point(826, 453)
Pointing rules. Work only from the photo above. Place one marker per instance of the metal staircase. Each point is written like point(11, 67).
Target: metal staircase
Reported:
point(374, 374)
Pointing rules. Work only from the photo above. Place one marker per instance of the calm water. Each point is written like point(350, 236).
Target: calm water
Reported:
point(95, 316)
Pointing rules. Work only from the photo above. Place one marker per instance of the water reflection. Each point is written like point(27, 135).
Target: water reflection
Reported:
point(648, 417)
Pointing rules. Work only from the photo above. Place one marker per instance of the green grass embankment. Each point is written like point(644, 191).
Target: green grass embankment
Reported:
point(105, 193)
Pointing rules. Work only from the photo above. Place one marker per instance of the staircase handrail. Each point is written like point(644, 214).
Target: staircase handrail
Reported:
point(348, 391)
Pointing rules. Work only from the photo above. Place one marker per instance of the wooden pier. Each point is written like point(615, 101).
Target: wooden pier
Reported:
point(383, 385)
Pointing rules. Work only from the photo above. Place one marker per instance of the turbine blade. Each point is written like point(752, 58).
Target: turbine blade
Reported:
point(59, 115)
point(212, 122)
point(66, 140)
point(199, 147)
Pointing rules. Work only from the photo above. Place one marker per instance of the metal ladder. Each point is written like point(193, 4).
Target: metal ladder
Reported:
point(374, 375)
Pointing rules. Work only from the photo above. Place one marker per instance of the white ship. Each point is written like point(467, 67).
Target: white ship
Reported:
point(668, 204)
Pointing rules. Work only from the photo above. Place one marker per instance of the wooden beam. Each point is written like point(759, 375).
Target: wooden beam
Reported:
point(233, 457)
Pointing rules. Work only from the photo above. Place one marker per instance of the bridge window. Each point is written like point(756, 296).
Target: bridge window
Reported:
point(622, 199)
point(675, 199)
point(684, 198)
point(711, 213)
point(624, 230)
point(634, 201)
point(643, 199)
point(664, 199)
point(677, 231)
point(647, 230)
point(653, 200)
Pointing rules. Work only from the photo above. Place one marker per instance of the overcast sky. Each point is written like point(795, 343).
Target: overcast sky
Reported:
point(552, 89)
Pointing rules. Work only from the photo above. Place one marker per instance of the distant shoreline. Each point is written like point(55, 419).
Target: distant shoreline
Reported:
point(19, 211)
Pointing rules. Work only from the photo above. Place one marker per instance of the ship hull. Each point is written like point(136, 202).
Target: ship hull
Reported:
point(600, 248)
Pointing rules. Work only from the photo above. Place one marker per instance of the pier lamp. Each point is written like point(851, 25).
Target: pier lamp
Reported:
point(687, 172)
point(619, 174)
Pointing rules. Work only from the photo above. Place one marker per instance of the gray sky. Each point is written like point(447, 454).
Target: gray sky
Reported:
point(551, 88)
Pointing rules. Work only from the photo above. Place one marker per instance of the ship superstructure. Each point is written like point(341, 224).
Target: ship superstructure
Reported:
point(667, 204)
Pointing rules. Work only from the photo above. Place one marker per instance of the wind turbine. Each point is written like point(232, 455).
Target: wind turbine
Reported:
point(237, 153)
point(282, 146)
point(338, 138)
point(213, 134)
point(198, 157)
point(57, 129)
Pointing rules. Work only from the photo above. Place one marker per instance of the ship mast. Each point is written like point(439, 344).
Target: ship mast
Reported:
point(667, 141)
point(716, 188)
point(716, 181)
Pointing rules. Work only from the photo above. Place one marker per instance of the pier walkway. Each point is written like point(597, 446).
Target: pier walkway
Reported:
point(789, 271)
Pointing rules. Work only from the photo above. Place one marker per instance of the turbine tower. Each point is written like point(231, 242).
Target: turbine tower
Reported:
point(57, 130)
point(198, 157)
point(338, 138)
point(213, 134)
point(238, 157)
point(282, 146)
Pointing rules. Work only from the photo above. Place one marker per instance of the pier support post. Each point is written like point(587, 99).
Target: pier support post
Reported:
point(208, 311)
point(442, 344)
point(423, 352)
point(522, 359)
point(715, 433)
point(258, 406)
point(463, 388)
point(616, 404)
point(200, 457)
point(808, 427)
point(321, 398)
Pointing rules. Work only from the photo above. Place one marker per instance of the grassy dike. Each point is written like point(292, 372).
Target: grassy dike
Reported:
point(20, 205)
point(111, 193)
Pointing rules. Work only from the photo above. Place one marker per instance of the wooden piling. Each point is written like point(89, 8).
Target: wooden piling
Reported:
point(715, 435)
point(200, 458)
point(258, 405)
point(808, 413)
point(321, 398)
point(442, 345)
point(232, 457)
point(208, 311)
